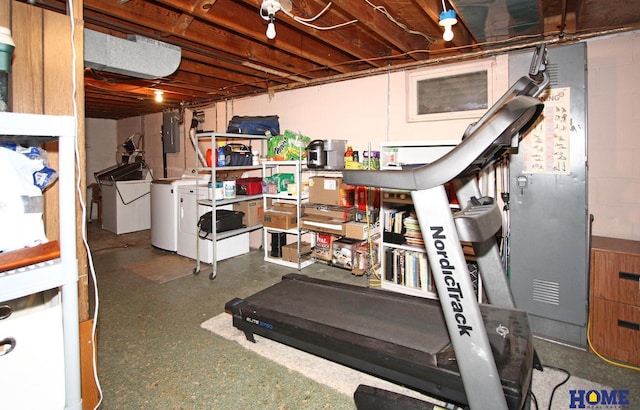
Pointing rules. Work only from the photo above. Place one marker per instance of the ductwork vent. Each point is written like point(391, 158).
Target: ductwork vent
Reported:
point(546, 291)
point(135, 56)
point(493, 20)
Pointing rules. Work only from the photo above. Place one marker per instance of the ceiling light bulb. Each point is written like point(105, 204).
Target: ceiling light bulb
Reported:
point(158, 96)
point(447, 20)
point(271, 30)
point(448, 33)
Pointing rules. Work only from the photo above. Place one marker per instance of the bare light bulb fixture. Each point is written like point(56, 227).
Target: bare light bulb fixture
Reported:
point(271, 29)
point(447, 19)
point(268, 11)
point(158, 97)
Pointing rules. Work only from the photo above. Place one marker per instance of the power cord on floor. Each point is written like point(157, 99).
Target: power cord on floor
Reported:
point(556, 387)
point(534, 400)
point(559, 384)
point(626, 366)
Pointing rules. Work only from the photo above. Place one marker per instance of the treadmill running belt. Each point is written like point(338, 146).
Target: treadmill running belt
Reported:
point(366, 315)
point(394, 336)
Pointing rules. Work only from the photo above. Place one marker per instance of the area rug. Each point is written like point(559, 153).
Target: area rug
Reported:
point(345, 380)
point(163, 268)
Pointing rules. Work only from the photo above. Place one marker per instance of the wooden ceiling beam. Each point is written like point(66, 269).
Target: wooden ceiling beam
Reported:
point(210, 66)
point(349, 39)
point(161, 20)
point(221, 78)
point(375, 21)
point(225, 14)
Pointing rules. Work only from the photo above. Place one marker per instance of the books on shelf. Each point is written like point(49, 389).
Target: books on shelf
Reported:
point(408, 268)
point(401, 227)
point(412, 233)
point(393, 228)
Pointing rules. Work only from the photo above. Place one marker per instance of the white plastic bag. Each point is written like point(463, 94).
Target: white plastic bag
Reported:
point(20, 202)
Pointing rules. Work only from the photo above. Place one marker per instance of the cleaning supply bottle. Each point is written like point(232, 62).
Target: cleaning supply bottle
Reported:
point(348, 156)
point(221, 155)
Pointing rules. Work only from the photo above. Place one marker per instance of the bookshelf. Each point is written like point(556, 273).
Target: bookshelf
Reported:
point(404, 258)
point(405, 267)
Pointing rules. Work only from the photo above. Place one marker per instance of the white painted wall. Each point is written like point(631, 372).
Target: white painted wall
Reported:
point(613, 141)
point(177, 164)
point(100, 145)
point(362, 111)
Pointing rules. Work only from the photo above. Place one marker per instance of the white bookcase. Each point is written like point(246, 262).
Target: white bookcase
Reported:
point(298, 198)
point(404, 264)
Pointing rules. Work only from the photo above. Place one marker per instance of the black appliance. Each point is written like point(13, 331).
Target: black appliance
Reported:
point(316, 157)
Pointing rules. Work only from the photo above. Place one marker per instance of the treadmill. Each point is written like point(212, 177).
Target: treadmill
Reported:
point(477, 356)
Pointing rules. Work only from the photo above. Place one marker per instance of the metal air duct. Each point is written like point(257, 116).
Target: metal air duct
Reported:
point(135, 56)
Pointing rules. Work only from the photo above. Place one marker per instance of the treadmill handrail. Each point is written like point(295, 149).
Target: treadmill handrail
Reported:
point(490, 138)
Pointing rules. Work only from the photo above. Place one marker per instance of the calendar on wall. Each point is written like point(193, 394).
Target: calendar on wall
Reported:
point(546, 149)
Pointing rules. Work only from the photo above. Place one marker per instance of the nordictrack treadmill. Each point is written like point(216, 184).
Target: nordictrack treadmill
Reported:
point(454, 349)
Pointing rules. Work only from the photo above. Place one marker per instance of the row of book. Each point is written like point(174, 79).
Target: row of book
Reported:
point(401, 227)
point(408, 268)
point(393, 217)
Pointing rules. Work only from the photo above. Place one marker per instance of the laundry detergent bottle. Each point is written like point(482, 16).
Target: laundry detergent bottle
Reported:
point(221, 156)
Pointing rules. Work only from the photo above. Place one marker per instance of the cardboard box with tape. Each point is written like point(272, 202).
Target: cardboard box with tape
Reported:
point(331, 191)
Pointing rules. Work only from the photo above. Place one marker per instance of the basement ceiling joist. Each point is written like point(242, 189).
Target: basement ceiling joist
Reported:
point(225, 53)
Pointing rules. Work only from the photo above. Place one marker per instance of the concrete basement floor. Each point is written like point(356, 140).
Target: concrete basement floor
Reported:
point(153, 354)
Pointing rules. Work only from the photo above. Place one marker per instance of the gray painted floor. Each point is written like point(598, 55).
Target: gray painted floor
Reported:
point(152, 353)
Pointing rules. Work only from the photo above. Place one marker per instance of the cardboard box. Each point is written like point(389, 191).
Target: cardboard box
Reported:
point(323, 224)
point(281, 216)
point(361, 216)
point(290, 252)
point(330, 211)
point(253, 211)
point(331, 191)
point(343, 250)
point(324, 246)
point(361, 230)
point(365, 256)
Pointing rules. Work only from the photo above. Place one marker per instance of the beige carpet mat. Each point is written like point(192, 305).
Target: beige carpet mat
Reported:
point(163, 268)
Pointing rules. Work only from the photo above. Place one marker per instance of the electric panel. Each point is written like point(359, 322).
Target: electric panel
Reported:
point(171, 131)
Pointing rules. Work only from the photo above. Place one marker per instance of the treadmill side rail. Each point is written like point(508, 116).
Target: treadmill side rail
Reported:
point(458, 299)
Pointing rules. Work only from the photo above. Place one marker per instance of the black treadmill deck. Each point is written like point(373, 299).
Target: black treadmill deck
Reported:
point(394, 336)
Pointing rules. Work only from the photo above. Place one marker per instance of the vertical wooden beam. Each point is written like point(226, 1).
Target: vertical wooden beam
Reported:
point(5, 13)
point(90, 394)
point(26, 68)
point(83, 267)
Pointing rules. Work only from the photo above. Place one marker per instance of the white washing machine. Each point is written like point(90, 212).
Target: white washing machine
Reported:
point(165, 208)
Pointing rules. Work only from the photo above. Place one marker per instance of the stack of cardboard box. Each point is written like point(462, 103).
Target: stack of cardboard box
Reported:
point(281, 215)
point(331, 213)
